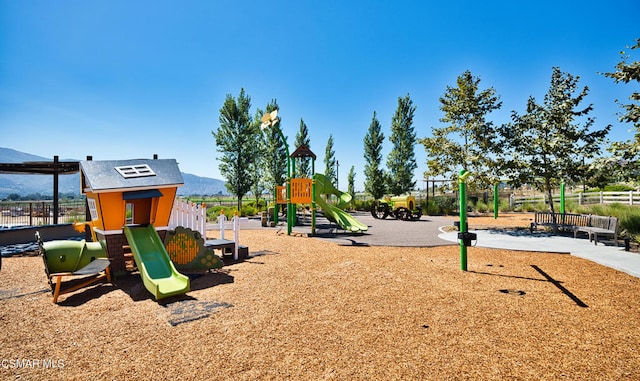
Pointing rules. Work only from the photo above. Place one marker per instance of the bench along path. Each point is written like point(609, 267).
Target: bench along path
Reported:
point(591, 224)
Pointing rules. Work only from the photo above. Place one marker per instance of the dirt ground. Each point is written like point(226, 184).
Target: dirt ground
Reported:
point(306, 309)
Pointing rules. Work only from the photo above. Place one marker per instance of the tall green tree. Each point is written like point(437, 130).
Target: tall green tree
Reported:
point(626, 160)
point(303, 165)
point(468, 139)
point(275, 155)
point(401, 160)
point(236, 140)
point(351, 184)
point(330, 161)
point(375, 182)
point(551, 141)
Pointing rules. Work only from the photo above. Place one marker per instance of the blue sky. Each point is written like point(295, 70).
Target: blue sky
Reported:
point(127, 79)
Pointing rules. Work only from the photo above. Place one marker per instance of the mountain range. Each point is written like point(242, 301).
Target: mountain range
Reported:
point(43, 184)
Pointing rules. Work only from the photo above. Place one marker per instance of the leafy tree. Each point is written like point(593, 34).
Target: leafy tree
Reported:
point(330, 161)
point(303, 165)
point(468, 139)
point(375, 181)
point(13, 197)
point(351, 181)
point(627, 153)
point(236, 141)
point(547, 143)
point(401, 161)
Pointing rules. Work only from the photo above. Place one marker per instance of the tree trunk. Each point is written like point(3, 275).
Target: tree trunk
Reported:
point(550, 194)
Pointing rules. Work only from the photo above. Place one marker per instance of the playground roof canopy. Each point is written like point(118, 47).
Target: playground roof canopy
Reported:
point(303, 151)
point(40, 167)
point(138, 174)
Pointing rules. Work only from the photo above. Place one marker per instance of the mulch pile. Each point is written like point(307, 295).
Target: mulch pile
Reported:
point(302, 308)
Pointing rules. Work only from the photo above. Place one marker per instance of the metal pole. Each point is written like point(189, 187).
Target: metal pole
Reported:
point(313, 197)
point(56, 204)
point(463, 216)
point(289, 208)
point(292, 219)
point(495, 201)
point(562, 197)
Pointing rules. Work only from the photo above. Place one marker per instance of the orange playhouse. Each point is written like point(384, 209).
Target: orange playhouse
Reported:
point(130, 203)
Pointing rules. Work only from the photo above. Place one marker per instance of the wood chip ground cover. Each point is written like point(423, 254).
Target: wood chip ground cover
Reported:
point(302, 308)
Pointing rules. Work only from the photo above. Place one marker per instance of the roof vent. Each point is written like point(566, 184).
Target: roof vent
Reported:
point(132, 171)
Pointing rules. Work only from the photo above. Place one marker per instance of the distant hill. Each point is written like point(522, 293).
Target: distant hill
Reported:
point(43, 184)
point(201, 185)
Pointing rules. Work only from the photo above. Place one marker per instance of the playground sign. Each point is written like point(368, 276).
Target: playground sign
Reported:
point(301, 191)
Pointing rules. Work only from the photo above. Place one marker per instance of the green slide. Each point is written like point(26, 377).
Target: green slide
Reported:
point(158, 273)
point(335, 213)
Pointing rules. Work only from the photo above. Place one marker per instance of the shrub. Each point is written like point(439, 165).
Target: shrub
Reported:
point(628, 217)
point(504, 206)
point(362, 205)
point(482, 207)
point(430, 208)
point(445, 205)
point(248, 210)
point(214, 212)
point(526, 207)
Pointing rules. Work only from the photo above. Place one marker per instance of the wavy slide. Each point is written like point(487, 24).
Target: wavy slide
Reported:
point(158, 273)
point(335, 213)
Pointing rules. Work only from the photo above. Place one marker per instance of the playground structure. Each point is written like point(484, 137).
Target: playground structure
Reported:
point(335, 213)
point(226, 246)
point(400, 207)
point(302, 194)
point(73, 258)
point(158, 273)
point(308, 191)
point(129, 204)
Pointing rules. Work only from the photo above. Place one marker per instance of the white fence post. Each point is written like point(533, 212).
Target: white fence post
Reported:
point(189, 215)
point(222, 221)
point(236, 235)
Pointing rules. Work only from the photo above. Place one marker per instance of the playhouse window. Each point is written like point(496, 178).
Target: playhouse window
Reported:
point(131, 171)
point(93, 208)
point(129, 214)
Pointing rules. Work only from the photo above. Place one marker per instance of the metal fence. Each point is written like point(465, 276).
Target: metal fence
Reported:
point(36, 213)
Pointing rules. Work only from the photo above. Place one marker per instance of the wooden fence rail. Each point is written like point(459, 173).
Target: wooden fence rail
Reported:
point(586, 198)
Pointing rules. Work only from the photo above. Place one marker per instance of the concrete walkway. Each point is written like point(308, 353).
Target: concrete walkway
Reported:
point(610, 256)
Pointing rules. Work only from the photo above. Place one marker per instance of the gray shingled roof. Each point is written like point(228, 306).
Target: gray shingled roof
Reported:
point(101, 175)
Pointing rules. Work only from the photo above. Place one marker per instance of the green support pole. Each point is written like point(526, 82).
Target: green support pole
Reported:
point(291, 217)
point(462, 182)
point(495, 201)
point(313, 197)
point(562, 197)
